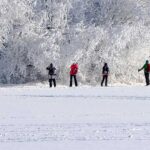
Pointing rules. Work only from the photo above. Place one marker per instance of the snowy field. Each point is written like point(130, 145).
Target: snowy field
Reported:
point(85, 118)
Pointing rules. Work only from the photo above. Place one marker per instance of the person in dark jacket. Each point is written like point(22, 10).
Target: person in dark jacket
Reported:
point(51, 72)
point(105, 73)
point(146, 69)
point(73, 73)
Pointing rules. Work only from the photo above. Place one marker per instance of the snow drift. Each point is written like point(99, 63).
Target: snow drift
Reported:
point(34, 33)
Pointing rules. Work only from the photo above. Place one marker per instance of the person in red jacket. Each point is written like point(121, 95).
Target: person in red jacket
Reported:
point(73, 73)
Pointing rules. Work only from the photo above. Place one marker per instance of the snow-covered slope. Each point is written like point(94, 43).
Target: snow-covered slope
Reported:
point(34, 33)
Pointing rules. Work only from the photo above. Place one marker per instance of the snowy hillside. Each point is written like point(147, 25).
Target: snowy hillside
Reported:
point(34, 33)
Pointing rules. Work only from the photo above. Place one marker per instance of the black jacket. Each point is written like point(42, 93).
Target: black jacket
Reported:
point(105, 70)
point(51, 70)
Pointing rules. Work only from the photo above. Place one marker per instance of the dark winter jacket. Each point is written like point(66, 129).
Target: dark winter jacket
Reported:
point(105, 70)
point(51, 70)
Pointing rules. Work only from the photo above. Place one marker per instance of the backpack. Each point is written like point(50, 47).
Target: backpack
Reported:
point(51, 71)
point(148, 68)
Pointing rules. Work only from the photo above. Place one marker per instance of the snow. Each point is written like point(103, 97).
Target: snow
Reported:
point(98, 118)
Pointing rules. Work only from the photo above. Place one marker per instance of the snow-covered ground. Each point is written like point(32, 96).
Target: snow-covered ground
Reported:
point(84, 118)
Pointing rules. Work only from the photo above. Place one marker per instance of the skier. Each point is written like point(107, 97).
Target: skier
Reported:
point(73, 73)
point(105, 73)
point(146, 69)
point(51, 72)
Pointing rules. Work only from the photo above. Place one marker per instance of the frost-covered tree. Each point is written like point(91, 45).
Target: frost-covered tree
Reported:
point(34, 33)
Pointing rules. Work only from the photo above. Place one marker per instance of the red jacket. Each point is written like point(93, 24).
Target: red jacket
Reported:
point(74, 69)
point(148, 67)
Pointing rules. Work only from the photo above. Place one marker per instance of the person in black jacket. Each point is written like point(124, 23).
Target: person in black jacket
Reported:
point(51, 72)
point(105, 73)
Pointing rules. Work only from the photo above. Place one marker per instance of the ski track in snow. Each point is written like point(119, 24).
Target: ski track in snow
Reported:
point(135, 98)
point(73, 132)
